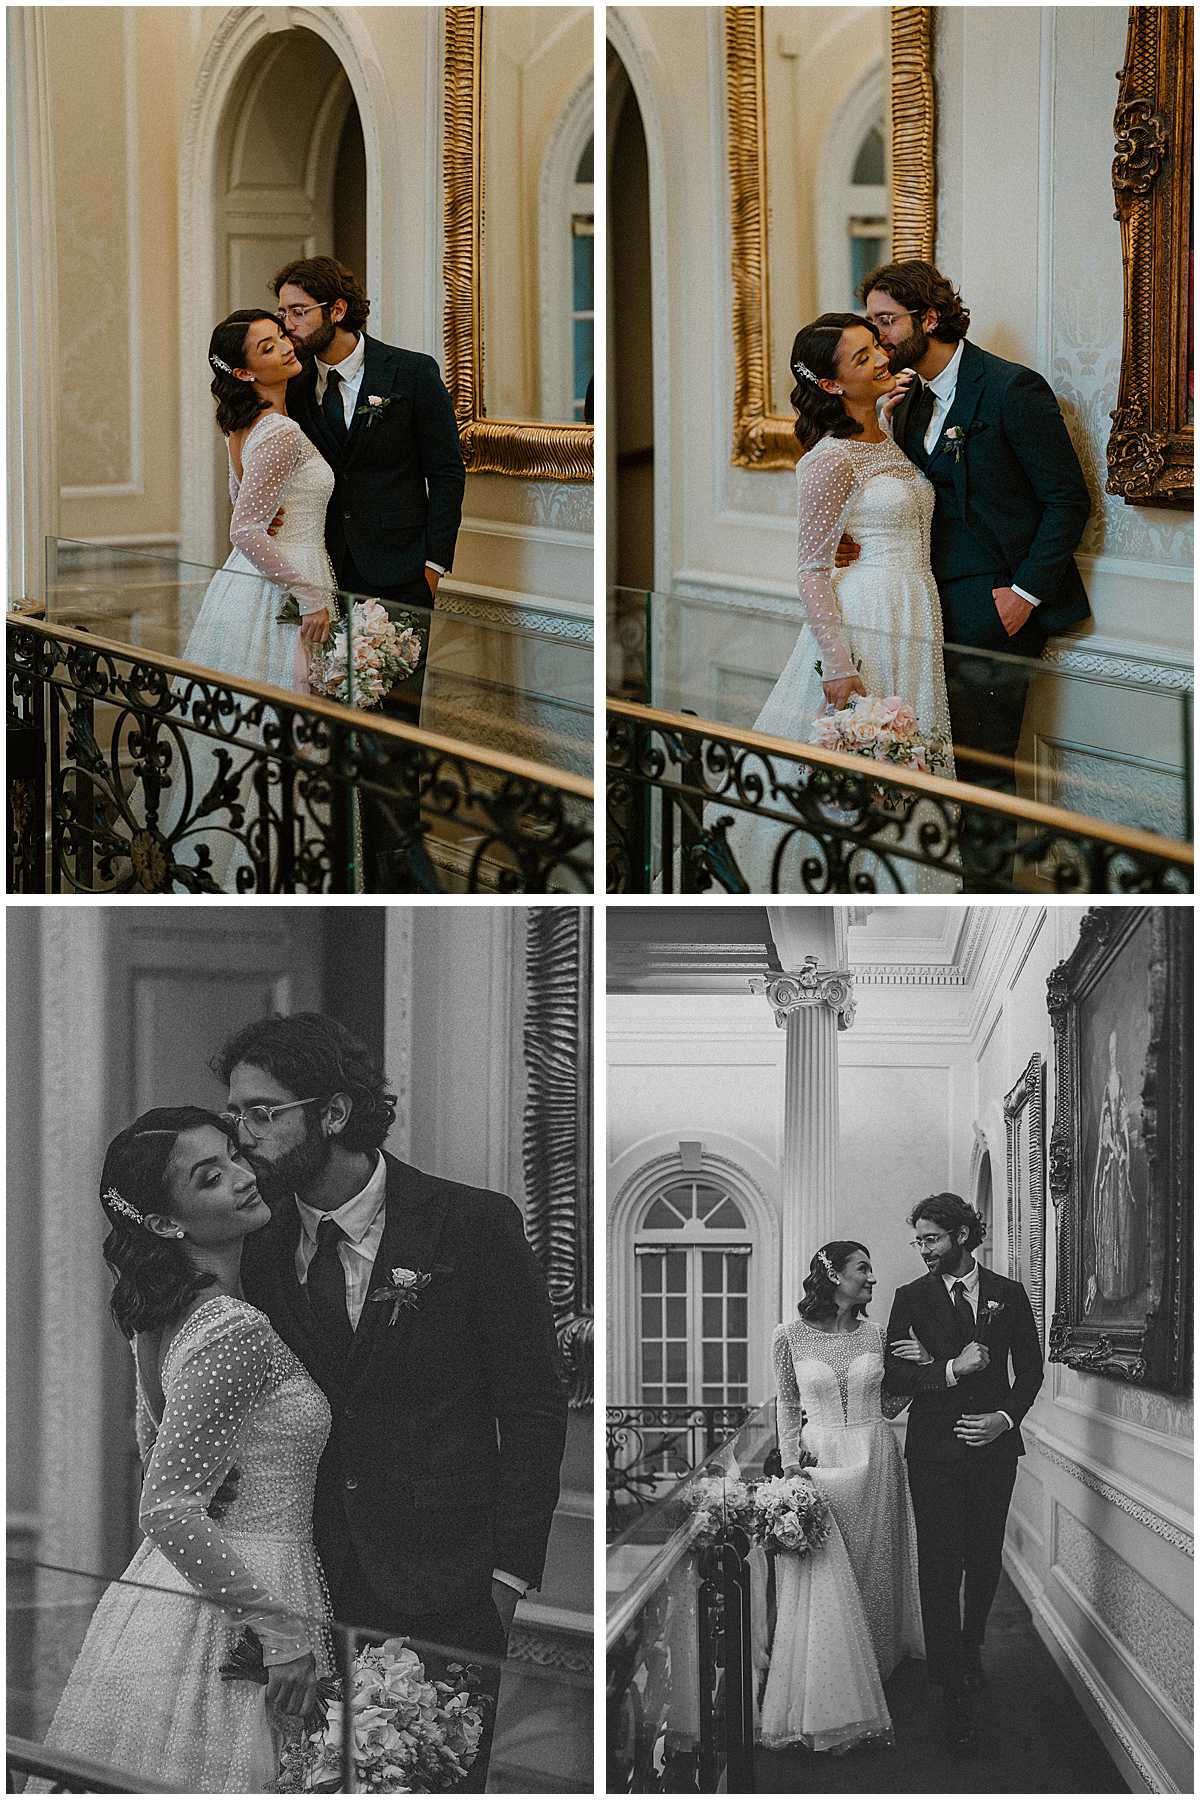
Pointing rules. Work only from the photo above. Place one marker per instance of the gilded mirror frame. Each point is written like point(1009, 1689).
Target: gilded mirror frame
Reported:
point(763, 438)
point(1151, 447)
point(526, 448)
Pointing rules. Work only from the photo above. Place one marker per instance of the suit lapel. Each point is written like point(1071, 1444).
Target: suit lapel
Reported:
point(415, 1216)
point(378, 377)
point(290, 1312)
point(968, 393)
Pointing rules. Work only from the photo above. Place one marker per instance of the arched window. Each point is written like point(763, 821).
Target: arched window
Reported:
point(853, 225)
point(867, 209)
point(692, 1260)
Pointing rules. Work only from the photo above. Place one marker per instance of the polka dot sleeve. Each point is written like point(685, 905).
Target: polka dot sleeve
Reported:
point(824, 485)
point(892, 1404)
point(213, 1375)
point(271, 455)
point(789, 1414)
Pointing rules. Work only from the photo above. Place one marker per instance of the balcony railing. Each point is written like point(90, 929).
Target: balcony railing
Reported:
point(699, 800)
point(682, 1627)
point(648, 1448)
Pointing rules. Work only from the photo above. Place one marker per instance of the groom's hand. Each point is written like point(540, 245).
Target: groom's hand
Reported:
point(276, 522)
point(971, 1360)
point(504, 1599)
point(980, 1428)
point(1012, 609)
point(847, 552)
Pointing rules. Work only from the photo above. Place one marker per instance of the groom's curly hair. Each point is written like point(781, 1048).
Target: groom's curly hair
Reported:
point(327, 280)
point(920, 287)
point(820, 1287)
point(309, 1053)
point(154, 1279)
point(949, 1212)
point(814, 357)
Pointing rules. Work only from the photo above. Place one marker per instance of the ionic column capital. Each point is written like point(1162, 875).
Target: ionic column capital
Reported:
point(808, 987)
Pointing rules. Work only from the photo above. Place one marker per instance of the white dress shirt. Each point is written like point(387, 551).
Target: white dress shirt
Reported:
point(970, 1282)
point(943, 387)
point(362, 1218)
point(351, 371)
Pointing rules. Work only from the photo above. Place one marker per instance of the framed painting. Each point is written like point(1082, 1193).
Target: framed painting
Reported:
point(1120, 1151)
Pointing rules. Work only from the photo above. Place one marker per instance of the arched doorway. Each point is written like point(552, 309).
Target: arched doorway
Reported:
point(630, 387)
point(290, 180)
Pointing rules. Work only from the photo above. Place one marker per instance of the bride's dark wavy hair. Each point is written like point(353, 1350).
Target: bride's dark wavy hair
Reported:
point(237, 402)
point(820, 1287)
point(154, 1278)
point(819, 414)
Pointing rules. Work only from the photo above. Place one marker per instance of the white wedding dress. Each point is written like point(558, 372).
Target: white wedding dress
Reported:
point(879, 618)
point(237, 630)
point(841, 1628)
point(145, 1695)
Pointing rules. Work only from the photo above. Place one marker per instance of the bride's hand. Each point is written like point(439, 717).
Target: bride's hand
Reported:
point(292, 1686)
point(891, 400)
point(314, 626)
point(838, 692)
point(910, 1349)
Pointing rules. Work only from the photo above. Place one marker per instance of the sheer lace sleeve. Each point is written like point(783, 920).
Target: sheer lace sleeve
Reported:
point(893, 1404)
point(270, 457)
point(789, 1414)
point(216, 1376)
point(824, 484)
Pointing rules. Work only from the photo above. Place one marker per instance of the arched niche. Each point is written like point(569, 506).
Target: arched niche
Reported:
point(283, 153)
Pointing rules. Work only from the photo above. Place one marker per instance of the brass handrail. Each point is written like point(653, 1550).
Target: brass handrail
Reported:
point(962, 793)
point(353, 717)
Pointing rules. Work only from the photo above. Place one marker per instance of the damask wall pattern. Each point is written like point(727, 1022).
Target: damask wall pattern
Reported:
point(1154, 1631)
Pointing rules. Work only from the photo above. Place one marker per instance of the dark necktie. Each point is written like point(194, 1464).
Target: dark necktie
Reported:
point(966, 1317)
point(327, 1288)
point(333, 408)
point(919, 417)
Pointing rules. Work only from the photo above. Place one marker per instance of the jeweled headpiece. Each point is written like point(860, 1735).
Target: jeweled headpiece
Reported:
point(799, 369)
point(826, 1265)
point(119, 1204)
point(219, 363)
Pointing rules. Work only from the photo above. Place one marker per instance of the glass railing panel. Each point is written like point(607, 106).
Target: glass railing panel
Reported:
point(473, 675)
point(1111, 740)
point(106, 1676)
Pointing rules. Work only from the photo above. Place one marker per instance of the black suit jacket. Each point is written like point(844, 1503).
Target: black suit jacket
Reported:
point(399, 474)
point(448, 1426)
point(1011, 1335)
point(1017, 485)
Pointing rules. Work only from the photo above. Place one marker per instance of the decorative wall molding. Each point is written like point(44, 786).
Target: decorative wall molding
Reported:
point(557, 1136)
point(1113, 785)
point(500, 612)
point(1178, 678)
point(1142, 1514)
point(1154, 1634)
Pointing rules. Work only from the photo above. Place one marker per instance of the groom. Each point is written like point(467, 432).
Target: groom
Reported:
point(418, 1307)
point(1011, 504)
point(963, 1439)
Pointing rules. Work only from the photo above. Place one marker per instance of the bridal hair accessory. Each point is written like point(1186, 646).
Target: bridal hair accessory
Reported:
point(219, 363)
point(802, 369)
point(119, 1204)
point(826, 1265)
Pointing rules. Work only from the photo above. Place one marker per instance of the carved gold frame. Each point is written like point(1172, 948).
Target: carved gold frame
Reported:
point(522, 447)
point(763, 438)
point(1150, 450)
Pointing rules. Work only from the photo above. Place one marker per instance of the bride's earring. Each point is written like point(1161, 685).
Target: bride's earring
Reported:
point(179, 1232)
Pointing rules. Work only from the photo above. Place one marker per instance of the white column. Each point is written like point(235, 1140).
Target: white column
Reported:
point(811, 1005)
point(33, 383)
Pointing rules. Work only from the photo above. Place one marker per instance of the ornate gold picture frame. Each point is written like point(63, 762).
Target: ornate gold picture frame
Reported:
point(1025, 1145)
point(526, 448)
point(1151, 449)
point(763, 438)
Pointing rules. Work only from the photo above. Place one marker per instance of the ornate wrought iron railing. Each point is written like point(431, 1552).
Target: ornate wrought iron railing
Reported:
point(676, 786)
point(648, 1448)
point(103, 746)
point(680, 1667)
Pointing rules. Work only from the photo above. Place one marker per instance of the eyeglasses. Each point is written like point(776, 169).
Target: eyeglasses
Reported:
point(889, 319)
point(259, 1118)
point(298, 312)
point(927, 1243)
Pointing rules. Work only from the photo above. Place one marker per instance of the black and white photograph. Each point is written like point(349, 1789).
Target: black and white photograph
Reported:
point(300, 597)
point(300, 1396)
point(898, 1411)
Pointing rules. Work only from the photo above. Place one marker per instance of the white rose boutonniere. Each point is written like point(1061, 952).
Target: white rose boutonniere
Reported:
point(991, 1310)
point(405, 1290)
point(373, 407)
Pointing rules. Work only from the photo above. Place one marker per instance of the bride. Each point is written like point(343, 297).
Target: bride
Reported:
point(872, 628)
point(146, 1694)
point(238, 630)
point(833, 1650)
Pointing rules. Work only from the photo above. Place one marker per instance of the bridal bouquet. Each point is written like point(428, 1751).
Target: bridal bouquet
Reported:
point(382, 653)
point(719, 1507)
point(790, 1513)
point(883, 729)
point(410, 1735)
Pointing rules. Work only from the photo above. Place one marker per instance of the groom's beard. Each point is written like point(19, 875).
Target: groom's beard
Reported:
point(294, 1170)
point(317, 340)
point(909, 353)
